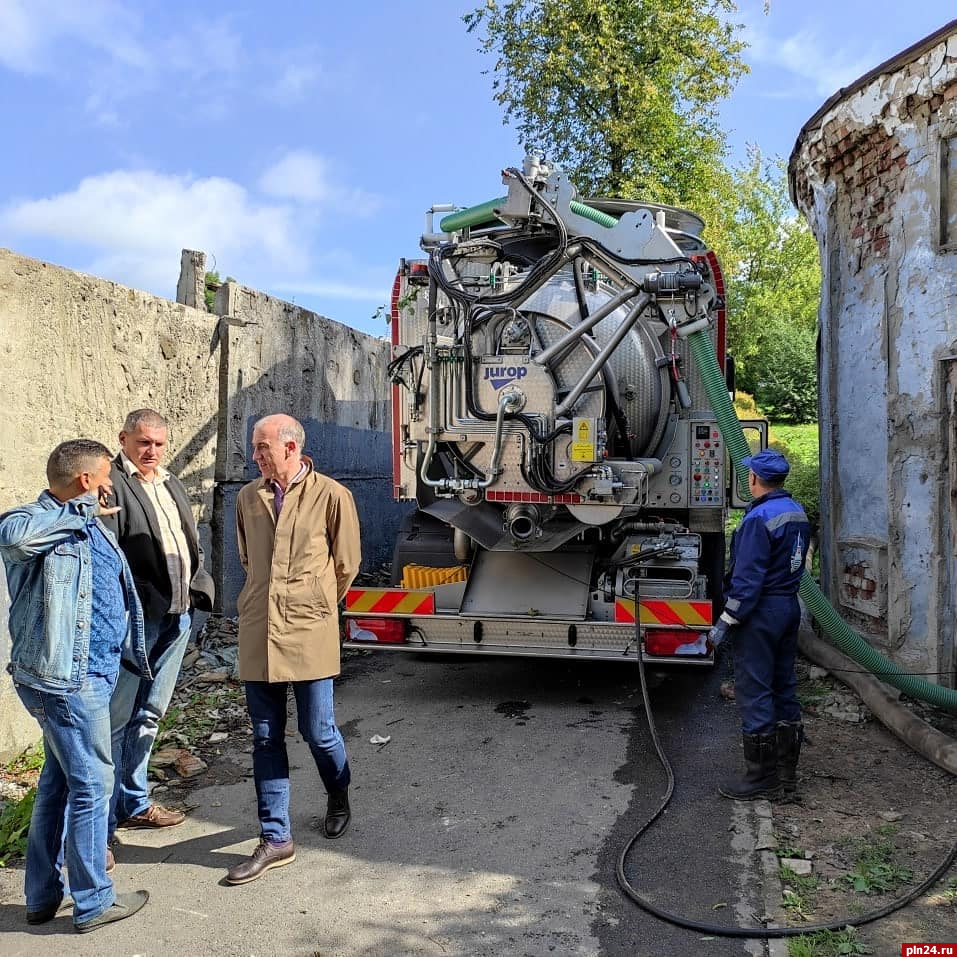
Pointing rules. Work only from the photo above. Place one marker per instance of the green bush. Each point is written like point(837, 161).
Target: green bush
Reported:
point(783, 375)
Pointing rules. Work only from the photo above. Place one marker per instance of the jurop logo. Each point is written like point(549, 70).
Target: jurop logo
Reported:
point(501, 375)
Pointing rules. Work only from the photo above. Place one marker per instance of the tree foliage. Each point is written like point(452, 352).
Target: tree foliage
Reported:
point(773, 280)
point(621, 93)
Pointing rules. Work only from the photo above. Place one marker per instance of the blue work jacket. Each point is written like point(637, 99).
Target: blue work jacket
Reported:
point(47, 557)
point(768, 552)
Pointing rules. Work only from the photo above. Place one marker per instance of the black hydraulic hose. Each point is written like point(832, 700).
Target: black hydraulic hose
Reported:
point(724, 930)
point(611, 391)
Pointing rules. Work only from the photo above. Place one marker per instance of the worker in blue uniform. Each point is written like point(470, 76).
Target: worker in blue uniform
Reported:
point(761, 616)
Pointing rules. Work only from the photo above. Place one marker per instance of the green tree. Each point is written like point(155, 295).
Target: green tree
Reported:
point(621, 93)
point(774, 283)
point(212, 284)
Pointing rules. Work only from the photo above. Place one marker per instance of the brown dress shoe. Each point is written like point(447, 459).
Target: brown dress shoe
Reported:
point(154, 816)
point(262, 859)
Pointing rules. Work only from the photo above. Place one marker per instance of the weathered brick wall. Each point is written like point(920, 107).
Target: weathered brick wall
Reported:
point(866, 172)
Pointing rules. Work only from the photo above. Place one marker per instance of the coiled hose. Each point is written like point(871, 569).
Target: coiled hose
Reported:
point(836, 629)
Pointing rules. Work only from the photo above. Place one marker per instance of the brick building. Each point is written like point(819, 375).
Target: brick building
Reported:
point(875, 173)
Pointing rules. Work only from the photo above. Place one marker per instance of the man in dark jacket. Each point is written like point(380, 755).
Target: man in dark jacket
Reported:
point(768, 552)
point(158, 535)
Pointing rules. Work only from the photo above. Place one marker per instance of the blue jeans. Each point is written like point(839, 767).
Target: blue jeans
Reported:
point(137, 707)
point(69, 819)
point(765, 647)
point(266, 702)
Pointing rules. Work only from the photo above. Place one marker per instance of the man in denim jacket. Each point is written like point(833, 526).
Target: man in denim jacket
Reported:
point(73, 615)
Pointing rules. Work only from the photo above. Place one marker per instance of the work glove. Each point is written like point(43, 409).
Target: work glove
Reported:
point(718, 634)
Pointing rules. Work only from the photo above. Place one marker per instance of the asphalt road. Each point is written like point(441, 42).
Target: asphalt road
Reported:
point(489, 825)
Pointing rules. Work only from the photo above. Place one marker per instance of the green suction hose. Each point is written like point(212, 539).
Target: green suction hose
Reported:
point(477, 215)
point(840, 633)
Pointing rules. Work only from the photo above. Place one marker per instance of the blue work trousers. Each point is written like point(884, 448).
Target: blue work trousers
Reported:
point(137, 707)
point(69, 821)
point(765, 647)
point(267, 703)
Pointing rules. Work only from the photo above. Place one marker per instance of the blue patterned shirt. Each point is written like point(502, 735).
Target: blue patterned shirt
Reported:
point(108, 617)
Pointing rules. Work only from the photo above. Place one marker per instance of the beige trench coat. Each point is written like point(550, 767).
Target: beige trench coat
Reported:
point(297, 571)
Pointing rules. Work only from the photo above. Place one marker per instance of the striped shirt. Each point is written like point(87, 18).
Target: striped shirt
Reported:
point(172, 537)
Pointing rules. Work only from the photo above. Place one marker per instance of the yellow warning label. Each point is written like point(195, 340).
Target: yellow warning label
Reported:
point(583, 444)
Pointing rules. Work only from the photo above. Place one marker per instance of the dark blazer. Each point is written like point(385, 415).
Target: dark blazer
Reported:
point(137, 531)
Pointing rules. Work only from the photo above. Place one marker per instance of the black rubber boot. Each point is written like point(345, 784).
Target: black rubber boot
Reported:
point(337, 814)
point(761, 775)
point(789, 736)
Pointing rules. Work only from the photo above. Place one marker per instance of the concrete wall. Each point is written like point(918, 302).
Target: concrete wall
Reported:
point(77, 353)
point(278, 357)
point(866, 172)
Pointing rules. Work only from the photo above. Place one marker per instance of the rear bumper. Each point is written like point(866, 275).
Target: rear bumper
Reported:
point(532, 638)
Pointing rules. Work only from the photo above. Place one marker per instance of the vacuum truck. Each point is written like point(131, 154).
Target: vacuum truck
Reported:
point(570, 482)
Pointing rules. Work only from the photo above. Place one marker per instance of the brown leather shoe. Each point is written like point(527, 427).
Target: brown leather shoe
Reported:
point(110, 862)
point(154, 816)
point(262, 859)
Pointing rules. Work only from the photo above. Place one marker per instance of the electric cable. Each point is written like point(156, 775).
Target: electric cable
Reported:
point(724, 930)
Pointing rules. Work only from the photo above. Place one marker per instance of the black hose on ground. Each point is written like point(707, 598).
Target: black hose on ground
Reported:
point(725, 930)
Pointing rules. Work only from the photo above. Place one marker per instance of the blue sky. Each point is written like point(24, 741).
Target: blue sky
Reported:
point(299, 143)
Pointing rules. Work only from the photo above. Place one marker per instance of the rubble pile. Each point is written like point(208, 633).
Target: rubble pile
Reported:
point(208, 710)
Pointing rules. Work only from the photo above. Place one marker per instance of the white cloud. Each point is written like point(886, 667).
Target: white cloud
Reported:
point(295, 79)
point(305, 177)
point(32, 33)
point(299, 175)
point(819, 66)
point(136, 224)
point(131, 225)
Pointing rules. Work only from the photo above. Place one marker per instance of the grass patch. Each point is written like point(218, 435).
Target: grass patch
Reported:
point(827, 943)
point(799, 443)
point(812, 692)
point(784, 849)
point(26, 765)
point(800, 891)
point(950, 894)
point(14, 825)
point(875, 870)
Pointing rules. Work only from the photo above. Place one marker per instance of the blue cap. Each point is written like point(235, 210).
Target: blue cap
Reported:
point(768, 464)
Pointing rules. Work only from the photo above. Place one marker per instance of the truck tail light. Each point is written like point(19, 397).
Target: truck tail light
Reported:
point(665, 641)
point(390, 631)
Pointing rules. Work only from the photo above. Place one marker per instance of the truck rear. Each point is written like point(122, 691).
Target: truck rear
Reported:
point(554, 434)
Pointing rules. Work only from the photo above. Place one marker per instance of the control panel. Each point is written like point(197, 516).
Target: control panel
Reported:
point(707, 464)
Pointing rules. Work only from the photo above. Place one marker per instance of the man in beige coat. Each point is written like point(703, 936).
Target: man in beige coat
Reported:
point(298, 536)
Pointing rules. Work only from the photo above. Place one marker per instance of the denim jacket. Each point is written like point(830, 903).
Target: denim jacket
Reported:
point(47, 556)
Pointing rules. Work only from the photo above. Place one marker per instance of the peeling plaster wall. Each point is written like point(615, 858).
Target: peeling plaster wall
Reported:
point(867, 177)
point(76, 354)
